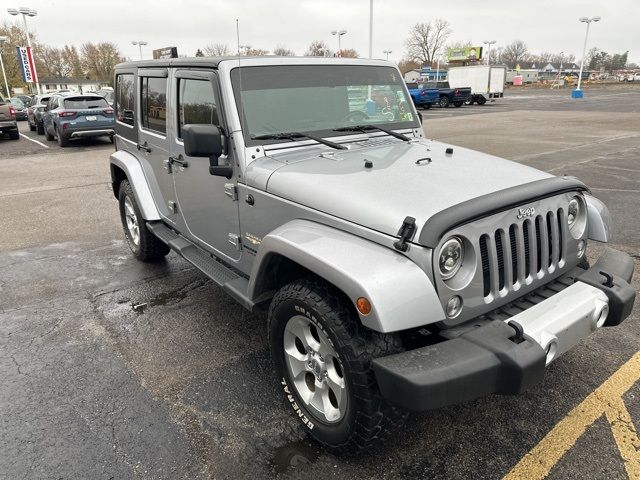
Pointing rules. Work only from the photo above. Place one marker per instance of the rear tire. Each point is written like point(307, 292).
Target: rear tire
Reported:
point(63, 142)
point(144, 245)
point(32, 127)
point(444, 102)
point(457, 104)
point(469, 101)
point(48, 136)
point(315, 331)
point(40, 128)
point(481, 100)
point(426, 106)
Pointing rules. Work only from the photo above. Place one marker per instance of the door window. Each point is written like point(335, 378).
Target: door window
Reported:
point(197, 103)
point(125, 108)
point(153, 95)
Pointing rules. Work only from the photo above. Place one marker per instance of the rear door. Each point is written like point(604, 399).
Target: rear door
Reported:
point(153, 143)
point(207, 203)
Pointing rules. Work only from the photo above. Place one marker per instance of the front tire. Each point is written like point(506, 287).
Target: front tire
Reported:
point(39, 128)
point(62, 142)
point(322, 354)
point(14, 135)
point(31, 127)
point(444, 102)
point(144, 245)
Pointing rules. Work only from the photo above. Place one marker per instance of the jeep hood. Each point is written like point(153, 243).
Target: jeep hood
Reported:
point(416, 179)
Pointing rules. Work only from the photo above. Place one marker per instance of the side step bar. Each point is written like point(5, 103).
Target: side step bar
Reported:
point(232, 283)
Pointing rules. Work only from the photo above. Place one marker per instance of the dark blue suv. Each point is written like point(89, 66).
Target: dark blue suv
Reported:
point(71, 115)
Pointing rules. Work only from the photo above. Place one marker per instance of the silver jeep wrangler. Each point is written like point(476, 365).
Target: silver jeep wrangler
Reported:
point(398, 273)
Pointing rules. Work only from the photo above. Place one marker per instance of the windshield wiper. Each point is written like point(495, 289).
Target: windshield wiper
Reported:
point(294, 135)
point(365, 128)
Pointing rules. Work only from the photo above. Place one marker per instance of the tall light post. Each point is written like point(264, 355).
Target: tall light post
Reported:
point(140, 43)
point(488, 43)
point(27, 12)
point(577, 93)
point(4, 74)
point(370, 28)
point(339, 33)
point(387, 52)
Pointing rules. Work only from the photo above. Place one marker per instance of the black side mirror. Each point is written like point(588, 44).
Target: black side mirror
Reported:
point(206, 141)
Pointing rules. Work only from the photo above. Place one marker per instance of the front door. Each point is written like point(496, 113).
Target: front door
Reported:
point(207, 203)
point(153, 143)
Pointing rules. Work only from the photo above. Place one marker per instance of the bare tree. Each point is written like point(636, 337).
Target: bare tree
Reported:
point(348, 53)
point(495, 55)
point(256, 52)
point(100, 60)
point(318, 49)
point(216, 50)
point(426, 40)
point(283, 51)
point(75, 62)
point(406, 65)
point(54, 62)
point(514, 53)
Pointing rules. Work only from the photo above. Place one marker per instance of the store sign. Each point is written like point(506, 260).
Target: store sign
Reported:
point(168, 52)
point(27, 66)
point(464, 54)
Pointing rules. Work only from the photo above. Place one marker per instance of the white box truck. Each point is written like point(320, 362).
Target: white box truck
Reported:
point(486, 82)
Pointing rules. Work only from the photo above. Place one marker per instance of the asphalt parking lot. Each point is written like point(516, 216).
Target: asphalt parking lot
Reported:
point(92, 388)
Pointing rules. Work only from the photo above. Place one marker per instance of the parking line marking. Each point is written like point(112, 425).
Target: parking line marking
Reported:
point(605, 400)
point(34, 141)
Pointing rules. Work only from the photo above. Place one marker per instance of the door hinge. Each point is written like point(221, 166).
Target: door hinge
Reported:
point(166, 164)
point(173, 206)
point(231, 191)
point(234, 239)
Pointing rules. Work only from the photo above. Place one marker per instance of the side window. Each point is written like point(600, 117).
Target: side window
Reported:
point(197, 103)
point(125, 100)
point(153, 96)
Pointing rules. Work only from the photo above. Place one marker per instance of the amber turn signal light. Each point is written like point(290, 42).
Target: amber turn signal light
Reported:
point(363, 305)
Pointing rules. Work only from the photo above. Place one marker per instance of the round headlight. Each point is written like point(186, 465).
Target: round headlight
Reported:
point(450, 258)
point(573, 212)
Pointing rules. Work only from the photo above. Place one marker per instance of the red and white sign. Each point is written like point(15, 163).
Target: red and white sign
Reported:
point(27, 65)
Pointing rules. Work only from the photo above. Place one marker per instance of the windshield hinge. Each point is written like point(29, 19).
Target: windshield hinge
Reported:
point(231, 191)
point(406, 232)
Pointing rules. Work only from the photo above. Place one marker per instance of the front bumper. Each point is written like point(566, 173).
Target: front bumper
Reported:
point(509, 357)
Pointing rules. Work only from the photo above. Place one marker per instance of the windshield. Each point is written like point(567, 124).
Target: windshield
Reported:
point(16, 102)
point(319, 98)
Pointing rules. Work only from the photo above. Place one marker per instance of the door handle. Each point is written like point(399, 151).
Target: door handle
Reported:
point(179, 160)
point(143, 147)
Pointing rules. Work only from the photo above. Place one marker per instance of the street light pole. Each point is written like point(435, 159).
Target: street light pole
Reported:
point(488, 43)
point(370, 28)
point(588, 21)
point(4, 74)
point(339, 33)
point(387, 52)
point(140, 43)
point(31, 13)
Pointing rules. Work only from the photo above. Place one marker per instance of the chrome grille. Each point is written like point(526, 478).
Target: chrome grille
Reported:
point(525, 250)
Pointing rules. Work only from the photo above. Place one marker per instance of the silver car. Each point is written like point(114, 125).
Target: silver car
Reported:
point(397, 273)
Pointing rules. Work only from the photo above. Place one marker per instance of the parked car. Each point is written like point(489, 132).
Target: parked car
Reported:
point(20, 108)
point(636, 77)
point(422, 97)
point(447, 95)
point(396, 273)
point(8, 122)
point(35, 111)
point(26, 99)
point(70, 115)
point(108, 96)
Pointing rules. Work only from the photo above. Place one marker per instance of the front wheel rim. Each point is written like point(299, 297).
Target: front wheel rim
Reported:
point(315, 370)
point(131, 220)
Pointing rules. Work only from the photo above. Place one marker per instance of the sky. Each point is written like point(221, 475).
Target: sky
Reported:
point(545, 25)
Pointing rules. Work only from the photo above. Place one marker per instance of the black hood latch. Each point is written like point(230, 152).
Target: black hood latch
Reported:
point(406, 233)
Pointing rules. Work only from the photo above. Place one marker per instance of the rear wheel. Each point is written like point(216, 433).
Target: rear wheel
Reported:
point(62, 141)
point(426, 106)
point(144, 245)
point(32, 127)
point(457, 104)
point(323, 355)
point(39, 128)
point(481, 100)
point(48, 136)
point(469, 101)
point(443, 102)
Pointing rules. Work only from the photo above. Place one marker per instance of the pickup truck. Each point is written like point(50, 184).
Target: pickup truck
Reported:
point(423, 97)
point(448, 95)
point(8, 119)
